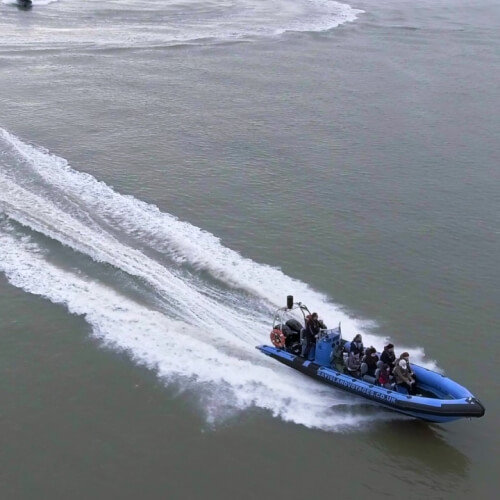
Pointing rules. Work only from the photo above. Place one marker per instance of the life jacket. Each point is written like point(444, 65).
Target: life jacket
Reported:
point(383, 378)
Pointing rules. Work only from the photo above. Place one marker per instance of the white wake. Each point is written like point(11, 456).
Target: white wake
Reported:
point(200, 333)
point(141, 23)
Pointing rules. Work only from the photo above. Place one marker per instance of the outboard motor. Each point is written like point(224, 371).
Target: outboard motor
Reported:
point(326, 347)
point(289, 301)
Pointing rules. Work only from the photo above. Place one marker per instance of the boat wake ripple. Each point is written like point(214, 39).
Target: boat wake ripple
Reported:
point(199, 332)
point(155, 23)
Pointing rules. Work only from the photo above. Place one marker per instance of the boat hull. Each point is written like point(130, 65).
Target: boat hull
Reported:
point(429, 409)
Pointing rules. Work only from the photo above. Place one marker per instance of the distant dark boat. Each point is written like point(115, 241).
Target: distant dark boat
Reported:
point(24, 4)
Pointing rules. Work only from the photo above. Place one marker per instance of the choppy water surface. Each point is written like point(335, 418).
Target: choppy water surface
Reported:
point(170, 171)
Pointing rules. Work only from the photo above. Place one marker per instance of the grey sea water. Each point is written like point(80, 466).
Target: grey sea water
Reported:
point(170, 171)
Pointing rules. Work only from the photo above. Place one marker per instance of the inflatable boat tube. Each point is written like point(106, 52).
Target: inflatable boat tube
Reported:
point(452, 401)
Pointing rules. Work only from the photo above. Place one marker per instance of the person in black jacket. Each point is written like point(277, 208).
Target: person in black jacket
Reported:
point(311, 333)
point(357, 345)
point(371, 359)
point(388, 356)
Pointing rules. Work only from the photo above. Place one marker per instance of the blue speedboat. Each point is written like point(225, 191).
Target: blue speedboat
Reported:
point(438, 399)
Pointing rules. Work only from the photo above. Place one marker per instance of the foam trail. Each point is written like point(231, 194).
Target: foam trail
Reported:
point(182, 241)
point(46, 218)
point(43, 193)
point(153, 23)
point(151, 339)
point(164, 232)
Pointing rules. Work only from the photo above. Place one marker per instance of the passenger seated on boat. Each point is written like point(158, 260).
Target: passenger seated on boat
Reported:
point(353, 364)
point(371, 359)
point(403, 377)
point(357, 345)
point(388, 356)
point(384, 376)
point(377, 371)
point(406, 357)
point(311, 332)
